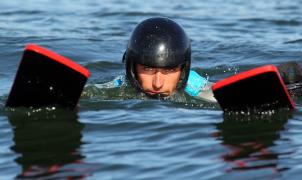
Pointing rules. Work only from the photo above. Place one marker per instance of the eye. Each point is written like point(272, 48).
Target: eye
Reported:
point(149, 70)
point(170, 70)
point(146, 68)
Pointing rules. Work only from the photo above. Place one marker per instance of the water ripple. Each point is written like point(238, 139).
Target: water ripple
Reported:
point(116, 133)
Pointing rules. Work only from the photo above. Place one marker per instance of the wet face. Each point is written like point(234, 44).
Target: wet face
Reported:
point(158, 81)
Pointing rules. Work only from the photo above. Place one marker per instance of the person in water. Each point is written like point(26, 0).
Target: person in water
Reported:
point(158, 60)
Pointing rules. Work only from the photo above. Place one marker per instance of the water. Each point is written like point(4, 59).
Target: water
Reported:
point(130, 138)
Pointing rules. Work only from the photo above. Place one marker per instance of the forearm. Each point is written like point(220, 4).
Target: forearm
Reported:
point(206, 93)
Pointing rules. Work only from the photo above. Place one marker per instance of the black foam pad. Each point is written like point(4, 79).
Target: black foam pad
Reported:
point(45, 78)
point(260, 88)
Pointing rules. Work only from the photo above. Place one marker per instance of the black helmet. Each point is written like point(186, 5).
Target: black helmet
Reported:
point(160, 43)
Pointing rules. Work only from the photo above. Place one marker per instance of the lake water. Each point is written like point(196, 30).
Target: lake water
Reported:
point(112, 137)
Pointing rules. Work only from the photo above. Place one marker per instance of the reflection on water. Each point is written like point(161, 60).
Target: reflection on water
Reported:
point(48, 143)
point(251, 140)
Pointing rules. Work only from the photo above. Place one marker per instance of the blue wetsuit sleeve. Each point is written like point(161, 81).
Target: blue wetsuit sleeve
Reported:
point(195, 83)
point(115, 83)
point(118, 82)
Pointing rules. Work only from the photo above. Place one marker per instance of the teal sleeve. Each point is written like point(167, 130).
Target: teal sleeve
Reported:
point(195, 83)
point(118, 82)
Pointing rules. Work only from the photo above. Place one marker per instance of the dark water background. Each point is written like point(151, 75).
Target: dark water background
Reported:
point(149, 139)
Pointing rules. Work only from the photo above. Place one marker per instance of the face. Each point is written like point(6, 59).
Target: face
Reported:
point(158, 81)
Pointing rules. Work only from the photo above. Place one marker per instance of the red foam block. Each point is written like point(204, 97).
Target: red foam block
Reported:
point(45, 78)
point(260, 88)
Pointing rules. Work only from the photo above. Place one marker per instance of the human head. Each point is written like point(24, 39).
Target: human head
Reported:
point(158, 43)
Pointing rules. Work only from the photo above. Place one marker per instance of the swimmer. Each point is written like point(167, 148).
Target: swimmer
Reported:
point(158, 59)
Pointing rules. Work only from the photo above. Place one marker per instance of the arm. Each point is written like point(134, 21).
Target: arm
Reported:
point(199, 87)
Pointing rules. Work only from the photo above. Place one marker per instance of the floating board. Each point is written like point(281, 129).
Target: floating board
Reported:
point(261, 88)
point(45, 78)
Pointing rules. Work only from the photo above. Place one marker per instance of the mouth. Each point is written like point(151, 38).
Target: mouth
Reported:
point(154, 93)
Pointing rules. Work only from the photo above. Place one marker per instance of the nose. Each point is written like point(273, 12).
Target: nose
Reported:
point(158, 80)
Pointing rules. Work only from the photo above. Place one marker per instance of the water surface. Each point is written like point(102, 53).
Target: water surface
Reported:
point(133, 138)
